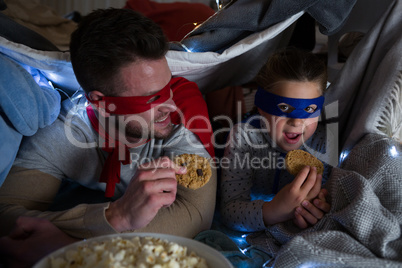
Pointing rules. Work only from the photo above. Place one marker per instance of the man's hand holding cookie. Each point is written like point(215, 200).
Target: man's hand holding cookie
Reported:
point(152, 187)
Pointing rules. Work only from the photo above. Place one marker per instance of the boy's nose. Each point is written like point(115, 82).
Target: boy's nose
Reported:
point(295, 122)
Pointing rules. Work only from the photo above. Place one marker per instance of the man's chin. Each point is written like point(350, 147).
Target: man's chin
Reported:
point(163, 133)
point(156, 134)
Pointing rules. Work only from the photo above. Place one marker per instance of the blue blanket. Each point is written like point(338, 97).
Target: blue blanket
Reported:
point(28, 102)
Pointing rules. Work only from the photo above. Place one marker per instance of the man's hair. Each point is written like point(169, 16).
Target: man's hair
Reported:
point(292, 64)
point(107, 40)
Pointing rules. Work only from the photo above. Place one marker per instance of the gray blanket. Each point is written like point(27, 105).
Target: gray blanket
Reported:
point(243, 17)
point(363, 228)
point(368, 89)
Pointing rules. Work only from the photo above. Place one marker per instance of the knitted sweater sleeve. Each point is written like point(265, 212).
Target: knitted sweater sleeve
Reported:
point(28, 192)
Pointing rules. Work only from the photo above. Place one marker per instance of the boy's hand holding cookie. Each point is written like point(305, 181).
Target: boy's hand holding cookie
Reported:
point(315, 205)
point(297, 159)
point(282, 207)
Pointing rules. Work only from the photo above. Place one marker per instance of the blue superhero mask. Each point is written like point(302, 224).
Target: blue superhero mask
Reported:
point(296, 108)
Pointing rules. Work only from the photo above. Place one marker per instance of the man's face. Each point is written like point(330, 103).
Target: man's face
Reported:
point(144, 78)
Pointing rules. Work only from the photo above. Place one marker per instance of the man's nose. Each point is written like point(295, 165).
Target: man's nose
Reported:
point(168, 106)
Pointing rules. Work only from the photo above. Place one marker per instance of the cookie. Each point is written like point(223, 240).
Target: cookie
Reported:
point(295, 160)
point(198, 170)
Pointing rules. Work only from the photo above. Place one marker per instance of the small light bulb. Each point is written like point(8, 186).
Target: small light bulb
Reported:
point(393, 151)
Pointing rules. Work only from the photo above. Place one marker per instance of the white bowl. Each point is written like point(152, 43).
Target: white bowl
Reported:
point(213, 257)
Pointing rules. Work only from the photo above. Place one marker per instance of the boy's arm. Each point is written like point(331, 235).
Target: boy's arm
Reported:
point(238, 211)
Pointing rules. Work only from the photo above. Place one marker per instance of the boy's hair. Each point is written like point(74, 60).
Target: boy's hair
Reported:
point(107, 40)
point(292, 64)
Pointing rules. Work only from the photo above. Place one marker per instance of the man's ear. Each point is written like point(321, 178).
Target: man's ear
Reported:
point(97, 96)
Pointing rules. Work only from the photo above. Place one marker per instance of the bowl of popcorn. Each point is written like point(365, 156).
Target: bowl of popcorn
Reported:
point(140, 250)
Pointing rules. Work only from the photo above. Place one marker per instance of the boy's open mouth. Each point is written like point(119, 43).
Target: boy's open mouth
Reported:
point(292, 138)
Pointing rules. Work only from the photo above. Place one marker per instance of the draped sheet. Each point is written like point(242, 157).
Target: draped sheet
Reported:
point(226, 50)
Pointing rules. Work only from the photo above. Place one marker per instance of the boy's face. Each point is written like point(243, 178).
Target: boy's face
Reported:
point(290, 133)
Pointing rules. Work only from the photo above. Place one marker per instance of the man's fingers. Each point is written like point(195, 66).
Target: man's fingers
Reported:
point(163, 183)
point(23, 227)
point(166, 185)
point(163, 163)
point(160, 173)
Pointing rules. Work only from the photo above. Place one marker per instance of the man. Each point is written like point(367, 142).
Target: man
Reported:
point(122, 143)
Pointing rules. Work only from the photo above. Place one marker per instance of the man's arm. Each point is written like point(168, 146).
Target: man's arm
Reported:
point(191, 213)
point(30, 240)
point(28, 192)
point(154, 202)
point(193, 210)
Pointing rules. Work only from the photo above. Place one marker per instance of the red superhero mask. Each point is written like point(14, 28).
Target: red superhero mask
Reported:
point(133, 105)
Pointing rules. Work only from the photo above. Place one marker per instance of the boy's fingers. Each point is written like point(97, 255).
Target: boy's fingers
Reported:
point(308, 217)
point(311, 180)
point(322, 205)
point(323, 194)
point(299, 221)
point(313, 210)
point(302, 178)
point(315, 190)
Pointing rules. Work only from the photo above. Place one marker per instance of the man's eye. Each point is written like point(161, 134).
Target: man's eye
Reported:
point(153, 99)
point(311, 109)
point(286, 108)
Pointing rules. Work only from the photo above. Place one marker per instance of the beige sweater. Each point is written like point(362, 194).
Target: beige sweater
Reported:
point(50, 156)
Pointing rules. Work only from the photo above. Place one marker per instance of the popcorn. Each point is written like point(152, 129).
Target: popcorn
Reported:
point(136, 252)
